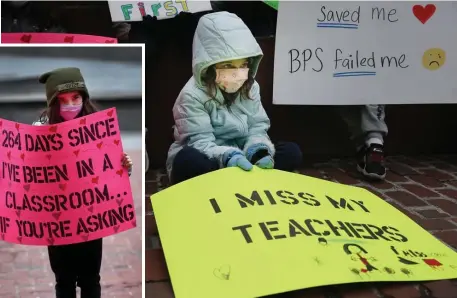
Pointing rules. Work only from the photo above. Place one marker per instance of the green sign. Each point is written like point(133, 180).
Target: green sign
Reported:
point(273, 4)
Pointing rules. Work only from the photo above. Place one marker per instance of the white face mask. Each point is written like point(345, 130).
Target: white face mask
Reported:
point(230, 80)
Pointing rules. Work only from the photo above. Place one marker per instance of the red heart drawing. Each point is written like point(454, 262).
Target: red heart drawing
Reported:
point(95, 180)
point(91, 209)
point(27, 187)
point(50, 241)
point(17, 126)
point(69, 39)
point(48, 156)
point(116, 142)
point(18, 213)
point(120, 172)
point(22, 156)
point(8, 154)
point(423, 14)
point(62, 186)
point(56, 215)
point(82, 121)
point(76, 152)
point(119, 202)
point(116, 228)
point(53, 128)
point(19, 239)
point(109, 41)
point(85, 237)
point(110, 113)
point(26, 38)
point(99, 145)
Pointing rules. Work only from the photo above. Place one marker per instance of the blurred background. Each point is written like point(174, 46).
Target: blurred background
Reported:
point(112, 75)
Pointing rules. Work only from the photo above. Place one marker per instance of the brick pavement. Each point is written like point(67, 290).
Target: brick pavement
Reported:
point(424, 188)
point(25, 271)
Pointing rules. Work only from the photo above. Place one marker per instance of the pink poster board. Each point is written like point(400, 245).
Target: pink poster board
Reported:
point(64, 183)
point(54, 38)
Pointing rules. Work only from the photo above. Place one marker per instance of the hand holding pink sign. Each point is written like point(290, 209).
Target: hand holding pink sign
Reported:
point(64, 183)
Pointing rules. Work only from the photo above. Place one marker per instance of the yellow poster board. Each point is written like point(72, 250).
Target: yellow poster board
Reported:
point(241, 234)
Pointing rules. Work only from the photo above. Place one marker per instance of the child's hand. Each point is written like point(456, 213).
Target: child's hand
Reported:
point(127, 162)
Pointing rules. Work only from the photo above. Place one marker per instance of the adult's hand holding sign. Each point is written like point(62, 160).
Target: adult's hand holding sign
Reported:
point(64, 183)
point(269, 223)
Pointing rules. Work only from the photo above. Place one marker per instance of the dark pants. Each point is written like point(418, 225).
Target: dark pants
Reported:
point(190, 162)
point(77, 265)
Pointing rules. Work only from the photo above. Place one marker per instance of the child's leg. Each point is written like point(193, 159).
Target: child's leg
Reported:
point(288, 156)
point(190, 163)
point(63, 265)
point(90, 261)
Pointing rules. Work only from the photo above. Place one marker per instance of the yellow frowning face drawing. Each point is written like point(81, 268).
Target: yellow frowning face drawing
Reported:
point(434, 58)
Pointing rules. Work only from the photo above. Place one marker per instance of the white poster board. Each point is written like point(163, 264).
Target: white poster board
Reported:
point(348, 53)
point(131, 11)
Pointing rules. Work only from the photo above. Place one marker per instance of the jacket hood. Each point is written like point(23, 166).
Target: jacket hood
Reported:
point(222, 36)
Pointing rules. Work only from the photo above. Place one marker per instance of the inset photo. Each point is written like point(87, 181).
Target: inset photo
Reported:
point(71, 171)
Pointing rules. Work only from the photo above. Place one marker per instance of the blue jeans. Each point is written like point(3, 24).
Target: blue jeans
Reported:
point(190, 162)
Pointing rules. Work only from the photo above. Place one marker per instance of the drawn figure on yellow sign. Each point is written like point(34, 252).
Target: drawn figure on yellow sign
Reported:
point(368, 267)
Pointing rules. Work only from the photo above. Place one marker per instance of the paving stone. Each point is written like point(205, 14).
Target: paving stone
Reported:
point(405, 198)
point(426, 181)
point(446, 205)
point(420, 191)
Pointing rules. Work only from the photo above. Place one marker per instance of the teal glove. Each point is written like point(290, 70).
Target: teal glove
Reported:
point(237, 159)
point(266, 162)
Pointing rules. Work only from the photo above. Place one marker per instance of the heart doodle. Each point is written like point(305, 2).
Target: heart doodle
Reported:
point(95, 180)
point(119, 201)
point(222, 272)
point(48, 156)
point(116, 142)
point(22, 156)
point(27, 187)
point(91, 209)
point(8, 154)
point(120, 172)
point(26, 38)
point(99, 145)
point(423, 14)
point(69, 39)
point(110, 113)
point(56, 215)
point(62, 186)
point(17, 126)
point(50, 241)
point(18, 213)
point(19, 239)
point(82, 121)
point(76, 152)
point(53, 128)
point(116, 228)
